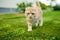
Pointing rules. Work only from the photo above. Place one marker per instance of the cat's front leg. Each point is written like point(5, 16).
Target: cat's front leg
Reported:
point(29, 24)
point(37, 22)
point(41, 22)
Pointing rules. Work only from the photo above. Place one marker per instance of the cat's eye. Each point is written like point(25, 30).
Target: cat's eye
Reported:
point(32, 13)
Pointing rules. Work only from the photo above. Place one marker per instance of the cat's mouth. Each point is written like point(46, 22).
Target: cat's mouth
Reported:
point(32, 17)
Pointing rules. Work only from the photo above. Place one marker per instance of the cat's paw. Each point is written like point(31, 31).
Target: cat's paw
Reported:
point(41, 25)
point(29, 29)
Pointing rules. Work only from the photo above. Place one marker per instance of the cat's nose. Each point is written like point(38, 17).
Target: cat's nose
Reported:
point(30, 15)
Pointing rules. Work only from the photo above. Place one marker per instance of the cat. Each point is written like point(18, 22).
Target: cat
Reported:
point(34, 13)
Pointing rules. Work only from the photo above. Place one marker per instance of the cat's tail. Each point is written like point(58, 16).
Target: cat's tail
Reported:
point(38, 6)
point(37, 3)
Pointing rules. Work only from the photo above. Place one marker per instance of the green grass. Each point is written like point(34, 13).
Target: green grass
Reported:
point(14, 27)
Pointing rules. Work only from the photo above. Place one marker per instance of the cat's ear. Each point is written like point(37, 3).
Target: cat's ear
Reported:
point(26, 10)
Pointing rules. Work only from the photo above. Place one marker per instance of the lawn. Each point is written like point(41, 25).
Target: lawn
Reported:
point(14, 27)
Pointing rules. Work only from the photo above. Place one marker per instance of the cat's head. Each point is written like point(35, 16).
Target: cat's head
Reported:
point(30, 12)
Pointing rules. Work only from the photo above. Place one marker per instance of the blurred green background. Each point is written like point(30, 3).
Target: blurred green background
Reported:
point(13, 26)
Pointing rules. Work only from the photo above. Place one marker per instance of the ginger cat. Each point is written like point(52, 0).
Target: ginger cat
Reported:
point(34, 13)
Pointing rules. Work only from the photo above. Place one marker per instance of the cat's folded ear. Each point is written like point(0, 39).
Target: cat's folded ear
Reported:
point(25, 11)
